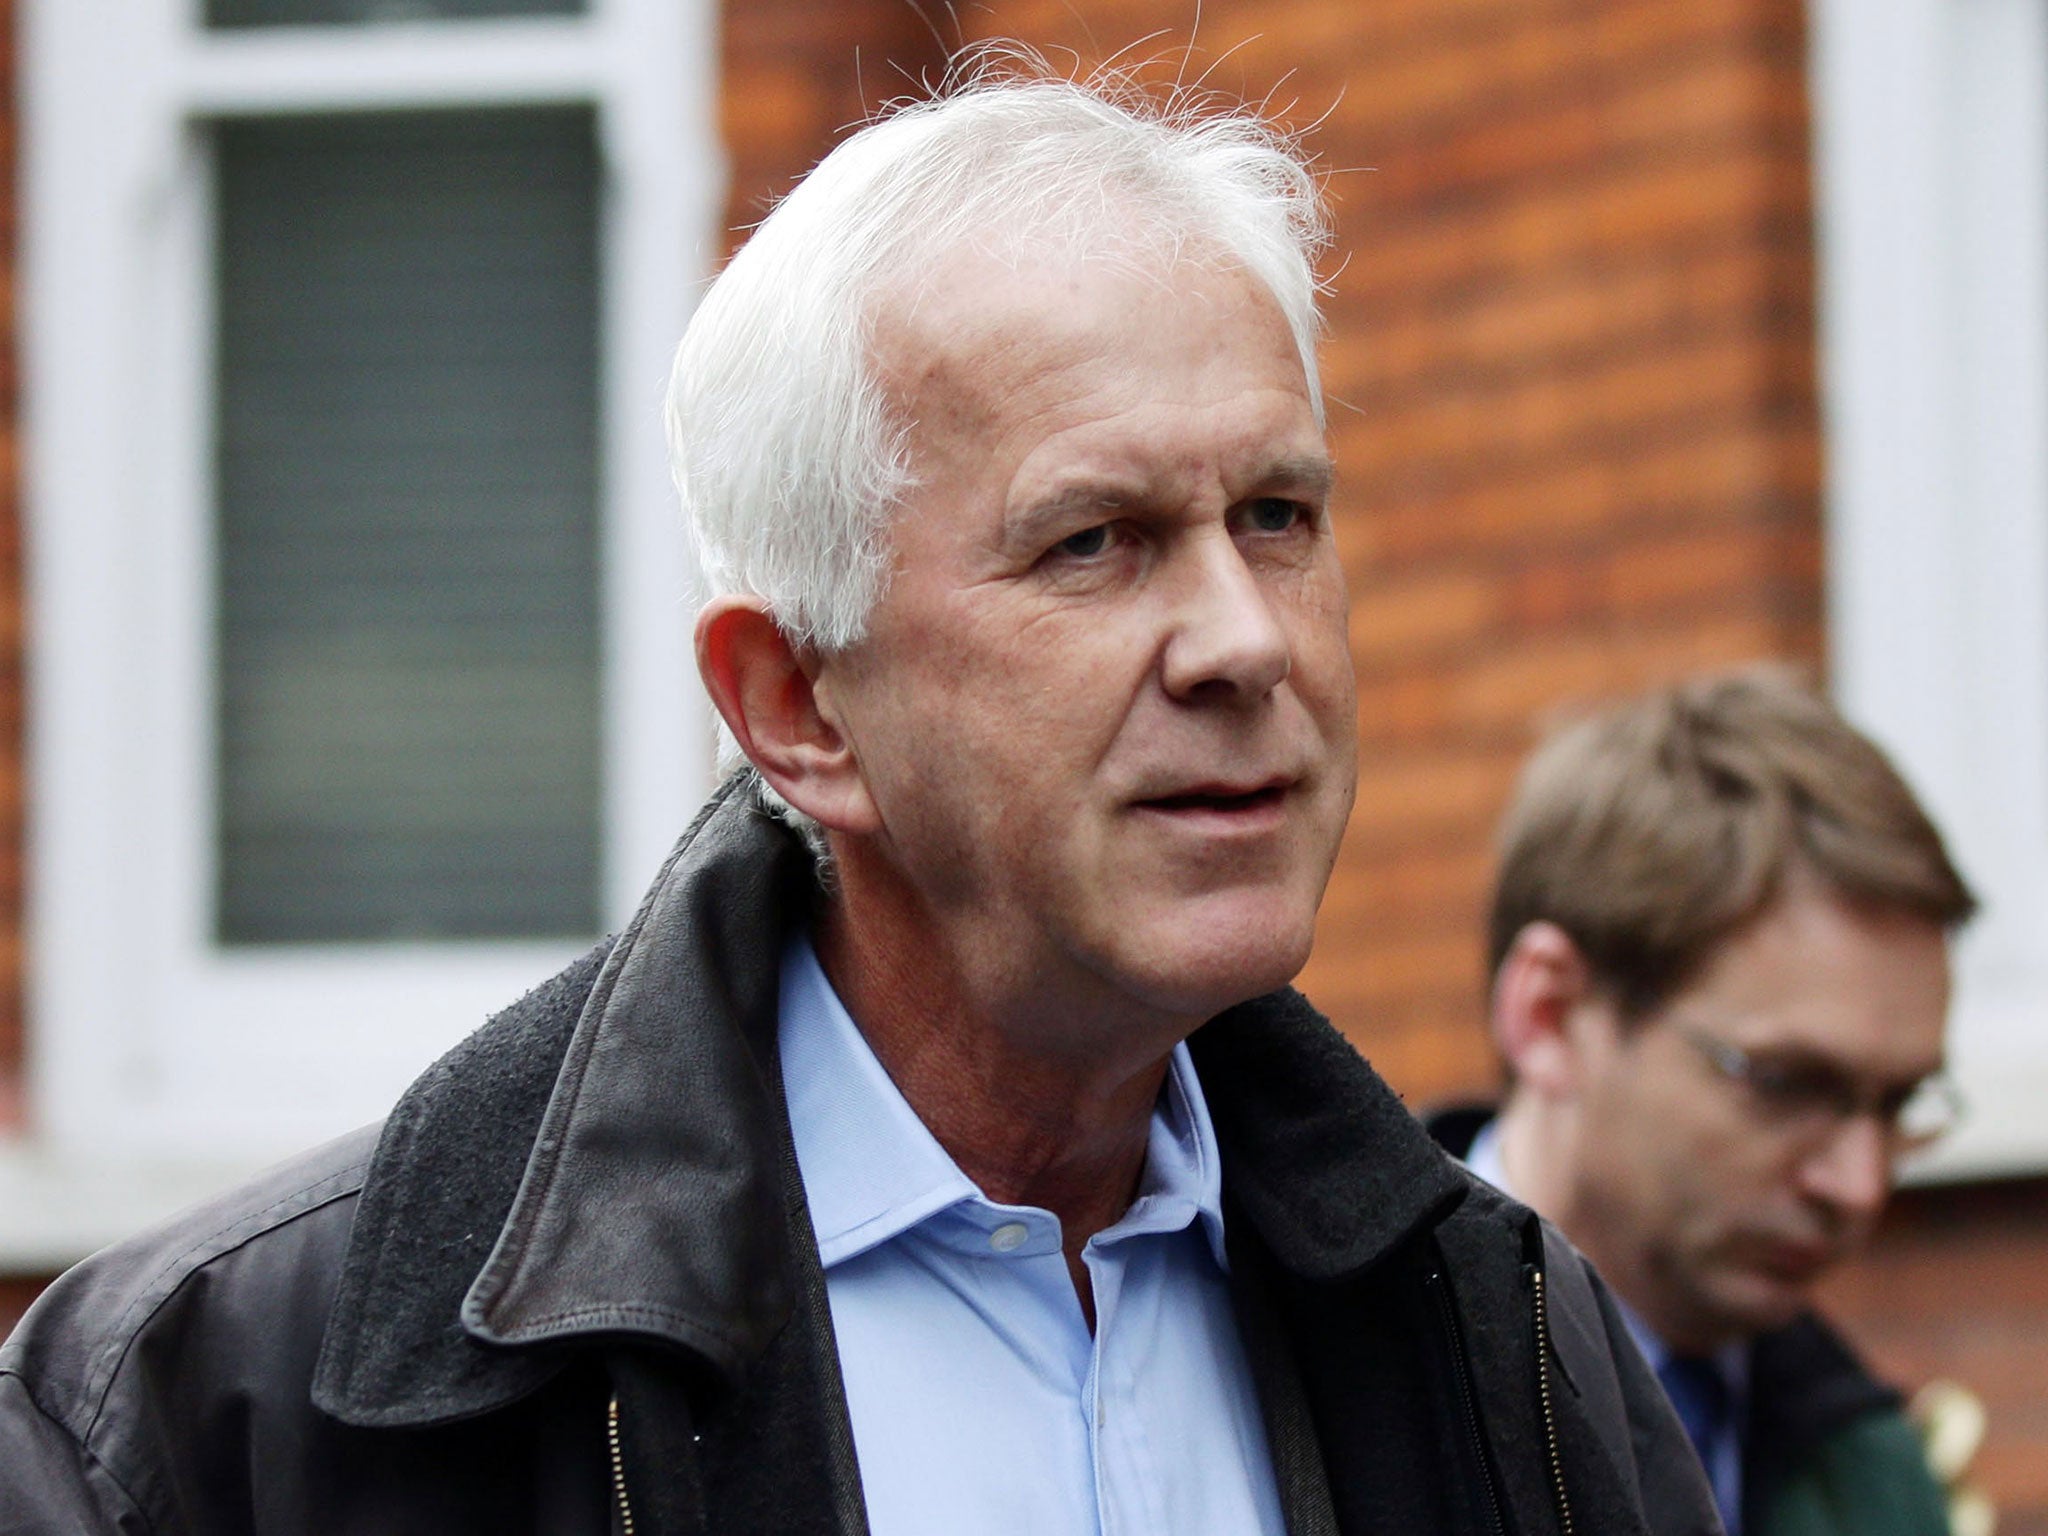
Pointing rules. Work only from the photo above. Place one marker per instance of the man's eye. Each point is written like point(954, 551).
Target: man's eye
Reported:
point(1086, 544)
point(1793, 1087)
point(1274, 514)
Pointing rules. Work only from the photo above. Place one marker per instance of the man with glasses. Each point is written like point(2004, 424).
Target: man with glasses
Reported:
point(1719, 961)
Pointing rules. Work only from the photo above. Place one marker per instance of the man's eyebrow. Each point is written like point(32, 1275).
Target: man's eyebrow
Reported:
point(1311, 473)
point(1305, 474)
point(1081, 496)
point(1027, 523)
point(1796, 1057)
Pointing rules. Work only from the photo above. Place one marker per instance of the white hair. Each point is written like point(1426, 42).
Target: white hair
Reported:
point(785, 453)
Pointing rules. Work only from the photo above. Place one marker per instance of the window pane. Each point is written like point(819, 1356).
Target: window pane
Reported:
point(407, 527)
point(271, 13)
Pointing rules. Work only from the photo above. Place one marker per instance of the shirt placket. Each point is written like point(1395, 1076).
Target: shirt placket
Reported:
point(1129, 1501)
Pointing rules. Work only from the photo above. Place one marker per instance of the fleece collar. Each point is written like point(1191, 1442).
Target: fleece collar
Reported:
point(610, 1159)
point(558, 1174)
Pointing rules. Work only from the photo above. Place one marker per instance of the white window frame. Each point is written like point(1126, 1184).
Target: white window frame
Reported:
point(1931, 127)
point(161, 1063)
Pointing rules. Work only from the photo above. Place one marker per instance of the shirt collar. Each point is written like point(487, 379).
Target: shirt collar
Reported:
point(872, 1170)
point(1483, 1157)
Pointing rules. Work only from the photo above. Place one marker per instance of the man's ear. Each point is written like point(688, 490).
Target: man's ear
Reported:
point(1537, 993)
point(765, 690)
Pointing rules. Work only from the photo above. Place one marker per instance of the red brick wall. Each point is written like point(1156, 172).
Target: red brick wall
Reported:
point(1577, 322)
point(798, 73)
point(1953, 1287)
point(16, 1292)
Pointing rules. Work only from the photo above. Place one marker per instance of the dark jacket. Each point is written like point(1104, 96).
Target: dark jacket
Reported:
point(571, 1286)
point(1827, 1450)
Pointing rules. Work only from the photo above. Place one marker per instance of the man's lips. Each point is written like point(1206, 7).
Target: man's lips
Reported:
point(1222, 799)
point(1794, 1261)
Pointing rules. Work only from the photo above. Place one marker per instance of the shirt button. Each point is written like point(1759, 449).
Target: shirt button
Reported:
point(1008, 1237)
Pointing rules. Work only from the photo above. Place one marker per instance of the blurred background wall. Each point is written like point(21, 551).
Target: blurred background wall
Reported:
point(1577, 409)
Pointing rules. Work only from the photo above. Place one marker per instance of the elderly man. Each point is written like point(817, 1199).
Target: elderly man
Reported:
point(871, 1179)
point(1720, 981)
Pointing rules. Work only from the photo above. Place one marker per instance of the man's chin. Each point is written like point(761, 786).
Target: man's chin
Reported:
point(1203, 972)
point(1754, 1301)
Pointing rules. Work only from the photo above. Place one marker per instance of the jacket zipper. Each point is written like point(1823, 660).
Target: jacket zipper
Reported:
point(1564, 1508)
point(618, 1468)
point(1461, 1375)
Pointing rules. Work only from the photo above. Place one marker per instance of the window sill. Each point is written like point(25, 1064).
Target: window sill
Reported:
point(56, 1207)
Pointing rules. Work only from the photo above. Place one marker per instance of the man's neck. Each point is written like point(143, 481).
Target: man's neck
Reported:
point(1533, 1148)
point(1030, 1126)
point(1538, 1153)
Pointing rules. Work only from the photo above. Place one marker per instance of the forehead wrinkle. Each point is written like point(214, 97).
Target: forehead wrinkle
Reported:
point(1078, 494)
point(930, 325)
point(934, 334)
point(1126, 474)
point(966, 371)
point(971, 381)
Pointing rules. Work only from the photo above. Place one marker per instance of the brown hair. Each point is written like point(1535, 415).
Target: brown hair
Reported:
point(1651, 831)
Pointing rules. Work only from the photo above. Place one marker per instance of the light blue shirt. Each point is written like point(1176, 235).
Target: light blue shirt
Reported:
point(1724, 1462)
point(980, 1401)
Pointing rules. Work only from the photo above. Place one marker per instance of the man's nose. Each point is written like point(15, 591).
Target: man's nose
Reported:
point(1852, 1169)
point(1226, 633)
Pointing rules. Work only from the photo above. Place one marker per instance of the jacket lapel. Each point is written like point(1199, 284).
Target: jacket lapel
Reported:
point(665, 1118)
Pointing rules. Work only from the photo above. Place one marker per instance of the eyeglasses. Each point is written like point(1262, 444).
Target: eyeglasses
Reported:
point(1810, 1098)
